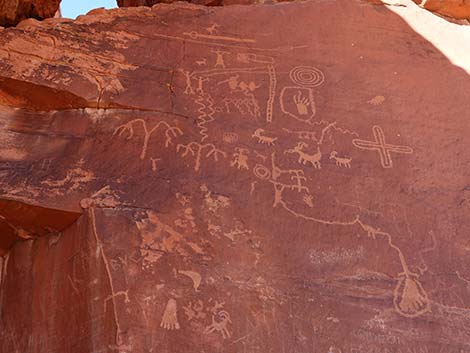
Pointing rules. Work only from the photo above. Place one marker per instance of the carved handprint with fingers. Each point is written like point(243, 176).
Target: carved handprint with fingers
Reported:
point(301, 103)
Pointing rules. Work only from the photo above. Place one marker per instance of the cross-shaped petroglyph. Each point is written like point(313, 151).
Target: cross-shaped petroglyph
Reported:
point(382, 147)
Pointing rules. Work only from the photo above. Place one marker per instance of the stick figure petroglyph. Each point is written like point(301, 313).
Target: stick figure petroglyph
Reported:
point(258, 134)
point(219, 61)
point(381, 147)
point(219, 324)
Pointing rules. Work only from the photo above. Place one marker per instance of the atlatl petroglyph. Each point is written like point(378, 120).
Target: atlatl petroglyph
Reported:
point(170, 132)
point(196, 150)
point(381, 147)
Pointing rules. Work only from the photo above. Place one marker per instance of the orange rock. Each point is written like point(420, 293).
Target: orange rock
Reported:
point(14, 11)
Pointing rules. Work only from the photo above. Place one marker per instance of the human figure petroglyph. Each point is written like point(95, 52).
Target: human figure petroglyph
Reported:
point(263, 139)
point(170, 318)
point(196, 150)
point(189, 84)
point(304, 158)
point(219, 324)
point(240, 158)
point(340, 161)
point(170, 133)
point(200, 84)
point(381, 147)
point(219, 59)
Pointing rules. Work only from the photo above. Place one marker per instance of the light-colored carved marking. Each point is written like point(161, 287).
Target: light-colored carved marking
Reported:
point(125, 294)
point(261, 156)
point(245, 106)
point(212, 29)
point(271, 94)
point(195, 277)
point(200, 84)
point(194, 310)
point(189, 84)
point(258, 134)
point(170, 133)
point(381, 147)
point(219, 58)
point(104, 258)
point(409, 297)
point(154, 163)
point(308, 200)
point(196, 35)
point(304, 158)
point(240, 158)
point(340, 161)
point(201, 62)
point(196, 150)
point(219, 324)
point(377, 100)
point(252, 187)
point(298, 103)
point(247, 58)
point(230, 137)
point(170, 318)
point(307, 76)
point(206, 114)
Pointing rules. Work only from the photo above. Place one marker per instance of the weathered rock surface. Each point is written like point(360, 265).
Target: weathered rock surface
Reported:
point(285, 178)
point(459, 9)
point(14, 11)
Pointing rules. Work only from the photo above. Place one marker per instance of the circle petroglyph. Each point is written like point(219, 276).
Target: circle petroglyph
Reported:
point(261, 172)
point(307, 76)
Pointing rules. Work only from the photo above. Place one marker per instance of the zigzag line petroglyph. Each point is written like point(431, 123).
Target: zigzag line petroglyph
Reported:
point(170, 133)
point(206, 114)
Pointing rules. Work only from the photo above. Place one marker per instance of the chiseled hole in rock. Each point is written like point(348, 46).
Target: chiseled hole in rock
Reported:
point(74, 8)
point(19, 221)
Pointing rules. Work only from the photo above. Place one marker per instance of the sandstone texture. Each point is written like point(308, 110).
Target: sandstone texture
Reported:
point(246, 179)
point(14, 11)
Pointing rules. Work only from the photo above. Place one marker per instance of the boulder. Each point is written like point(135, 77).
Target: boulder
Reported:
point(14, 11)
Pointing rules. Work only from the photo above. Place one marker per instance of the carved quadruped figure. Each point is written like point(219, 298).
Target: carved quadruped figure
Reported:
point(258, 134)
point(219, 324)
point(340, 161)
point(304, 158)
point(381, 147)
point(170, 133)
point(170, 318)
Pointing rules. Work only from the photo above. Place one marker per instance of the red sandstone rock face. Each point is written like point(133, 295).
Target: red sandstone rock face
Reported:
point(14, 11)
point(459, 9)
point(286, 178)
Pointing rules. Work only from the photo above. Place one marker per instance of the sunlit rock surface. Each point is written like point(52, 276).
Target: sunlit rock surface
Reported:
point(278, 178)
